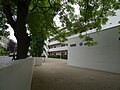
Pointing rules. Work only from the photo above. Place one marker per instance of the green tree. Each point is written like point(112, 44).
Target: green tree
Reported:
point(3, 26)
point(42, 13)
point(3, 51)
point(18, 8)
point(17, 13)
point(92, 15)
point(37, 15)
point(36, 48)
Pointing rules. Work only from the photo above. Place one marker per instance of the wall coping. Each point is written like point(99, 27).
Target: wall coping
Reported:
point(5, 64)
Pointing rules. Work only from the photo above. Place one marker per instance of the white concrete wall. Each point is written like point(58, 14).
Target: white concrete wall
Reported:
point(54, 42)
point(38, 61)
point(16, 75)
point(104, 56)
point(58, 49)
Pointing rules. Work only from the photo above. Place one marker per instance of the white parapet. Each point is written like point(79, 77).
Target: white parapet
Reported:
point(58, 49)
point(16, 75)
point(38, 61)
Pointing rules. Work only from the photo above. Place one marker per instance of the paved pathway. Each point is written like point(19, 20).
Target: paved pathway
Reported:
point(57, 75)
point(5, 58)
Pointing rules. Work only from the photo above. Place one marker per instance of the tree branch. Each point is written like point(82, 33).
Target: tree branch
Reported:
point(34, 6)
point(8, 12)
point(49, 3)
point(15, 2)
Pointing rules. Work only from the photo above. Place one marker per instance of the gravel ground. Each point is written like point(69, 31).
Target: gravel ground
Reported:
point(55, 74)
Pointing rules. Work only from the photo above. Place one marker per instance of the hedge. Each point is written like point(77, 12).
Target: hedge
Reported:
point(54, 56)
point(64, 56)
point(58, 56)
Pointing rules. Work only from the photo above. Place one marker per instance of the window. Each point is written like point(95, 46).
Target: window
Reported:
point(72, 45)
point(62, 45)
point(54, 53)
point(63, 53)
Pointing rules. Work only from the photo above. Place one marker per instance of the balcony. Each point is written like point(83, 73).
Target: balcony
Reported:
point(58, 49)
point(54, 42)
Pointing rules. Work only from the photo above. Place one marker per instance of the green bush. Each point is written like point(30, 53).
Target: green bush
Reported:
point(3, 51)
point(58, 56)
point(54, 56)
point(64, 56)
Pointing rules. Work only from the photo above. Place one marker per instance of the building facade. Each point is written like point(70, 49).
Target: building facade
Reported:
point(104, 56)
point(55, 48)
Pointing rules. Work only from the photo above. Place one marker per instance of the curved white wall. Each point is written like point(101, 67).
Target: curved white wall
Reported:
point(104, 56)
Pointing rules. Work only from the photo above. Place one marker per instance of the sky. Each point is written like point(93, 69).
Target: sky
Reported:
point(11, 33)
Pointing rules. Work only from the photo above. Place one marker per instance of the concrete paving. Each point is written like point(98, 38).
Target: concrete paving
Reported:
point(5, 58)
point(55, 74)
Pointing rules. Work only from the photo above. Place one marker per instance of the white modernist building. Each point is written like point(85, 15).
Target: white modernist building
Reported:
point(57, 48)
point(54, 47)
point(104, 56)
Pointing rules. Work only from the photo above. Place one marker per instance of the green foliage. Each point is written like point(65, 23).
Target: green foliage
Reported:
point(3, 26)
point(61, 36)
point(58, 56)
point(42, 13)
point(88, 41)
point(3, 21)
point(93, 14)
point(37, 43)
point(64, 56)
point(3, 51)
point(40, 23)
point(4, 33)
point(54, 56)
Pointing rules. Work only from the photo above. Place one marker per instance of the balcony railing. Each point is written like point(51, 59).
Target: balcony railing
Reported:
point(58, 49)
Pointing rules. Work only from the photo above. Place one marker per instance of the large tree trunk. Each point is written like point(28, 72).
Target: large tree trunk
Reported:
point(21, 32)
point(19, 25)
point(22, 46)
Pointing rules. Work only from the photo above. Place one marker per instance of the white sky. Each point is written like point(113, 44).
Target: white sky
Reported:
point(11, 33)
point(57, 20)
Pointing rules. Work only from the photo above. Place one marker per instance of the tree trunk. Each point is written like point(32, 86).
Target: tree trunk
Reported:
point(22, 46)
point(21, 32)
point(19, 25)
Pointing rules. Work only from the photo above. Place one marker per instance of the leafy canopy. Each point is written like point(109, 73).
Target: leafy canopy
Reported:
point(92, 15)
point(40, 23)
point(3, 26)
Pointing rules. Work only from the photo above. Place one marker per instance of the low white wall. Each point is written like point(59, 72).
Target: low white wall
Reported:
point(104, 56)
point(16, 75)
point(38, 61)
